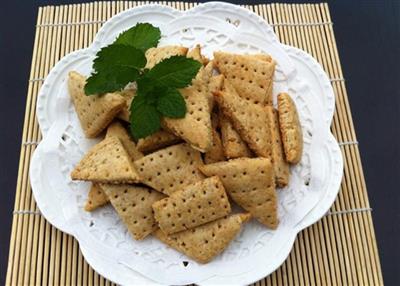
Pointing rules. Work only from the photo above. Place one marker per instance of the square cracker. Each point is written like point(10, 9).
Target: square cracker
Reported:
point(289, 122)
point(194, 205)
point(250, 183)
point(133, 205)
point(207, 241)
point(95, 112)
point(234, 146)
point(281, 167)
point(156, 141)
point(170, 169)
point(249, 119)
point(106, 162)
point(117, 130)
point(156, 55)
point(251, 76)
point(96, 198)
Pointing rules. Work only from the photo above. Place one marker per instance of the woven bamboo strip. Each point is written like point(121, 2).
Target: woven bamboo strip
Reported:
point(319, 255)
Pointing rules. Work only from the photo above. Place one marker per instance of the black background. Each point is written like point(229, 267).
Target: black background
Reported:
point(367, 34)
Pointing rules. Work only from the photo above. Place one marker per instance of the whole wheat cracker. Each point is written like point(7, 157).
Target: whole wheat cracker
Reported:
point(194, 205)
point(156, 55)
point(207, 241)
point(133, 205)
point(156, 141)
point(170, 169)
point(281, 167)
point(95, 112)
point(289, 122)
point(195, 127)
point(116, 129)
point(251, 76)
point(232, 143)
point(128, 95)
point(250, 183)
point(106, 162)
point(96, 198)
point(249, 119)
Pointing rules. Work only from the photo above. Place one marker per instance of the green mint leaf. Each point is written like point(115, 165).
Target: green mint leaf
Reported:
point(119, 56)
point(145, 119)
point(142, 36)
point(113, 79)
point(176, 71)
point(171, 103)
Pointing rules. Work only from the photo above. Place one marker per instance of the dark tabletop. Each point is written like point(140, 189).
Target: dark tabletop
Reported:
point(368, 39)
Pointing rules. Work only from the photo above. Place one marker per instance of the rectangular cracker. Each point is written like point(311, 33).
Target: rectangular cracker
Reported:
point(170, 169)
point(192, 206)
point(281, 167)
point(250, 75)
point(234, 146)
point(157, 141)
point(207, 241)
point(95, 112)
point(106, 162)
point(117, 130)
point(250, 183)
point(133, 205)
point(249, 119)
point(289, 122)
point(96, 198)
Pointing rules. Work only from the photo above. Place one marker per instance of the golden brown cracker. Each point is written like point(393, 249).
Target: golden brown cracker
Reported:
point(96, 198)
point(106, 162)
point(156, 55)
point(251, 76)
point(281, 167)
point(128, 95)
point(250, 183)
point(95, 112)
point(289, 122)
point(194, 205)
point(216, 152)
point(156, 141)
point(170, 169)
point(249, 119)
point(133, 205)
point(116, 129)
point(207, 241)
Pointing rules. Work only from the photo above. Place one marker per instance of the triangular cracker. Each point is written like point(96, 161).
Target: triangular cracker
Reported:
point(207, 241)
point(133, 205)
point(106, 162)
point(156, 55)
point(195, 127)
point(292, 136)
point(128, 95)
point(250, 183)
point(96, 198)
point(249, 119)
point(252, 77)
point(216, 152)
point(234, 146)
point(117, 130)
point(156, 141)
point(170, 169)
point(95, 112)
point(281, 167)
point(194, 205)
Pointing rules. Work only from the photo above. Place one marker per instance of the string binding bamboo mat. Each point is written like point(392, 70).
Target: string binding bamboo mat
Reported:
point(338, 250)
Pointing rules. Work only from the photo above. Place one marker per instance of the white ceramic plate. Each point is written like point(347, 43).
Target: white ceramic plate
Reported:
point(257, 251)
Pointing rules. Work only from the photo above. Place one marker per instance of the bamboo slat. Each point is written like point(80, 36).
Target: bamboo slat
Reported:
point(340, 249)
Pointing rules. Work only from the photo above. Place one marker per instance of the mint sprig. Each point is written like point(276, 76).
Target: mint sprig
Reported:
point(157, 94)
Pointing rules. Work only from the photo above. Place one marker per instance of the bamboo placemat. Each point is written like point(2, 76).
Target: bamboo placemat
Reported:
point(338, 250)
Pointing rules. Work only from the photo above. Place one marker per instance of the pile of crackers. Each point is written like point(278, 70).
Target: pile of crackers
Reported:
point(179, 184)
